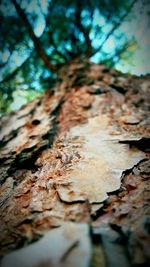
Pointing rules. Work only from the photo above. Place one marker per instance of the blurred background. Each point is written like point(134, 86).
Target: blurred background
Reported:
point(37, 37)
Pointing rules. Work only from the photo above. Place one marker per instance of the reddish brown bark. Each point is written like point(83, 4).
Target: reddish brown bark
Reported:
point(37, 151)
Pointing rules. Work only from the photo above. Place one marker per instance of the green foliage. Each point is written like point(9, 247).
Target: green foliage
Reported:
point(62, 30)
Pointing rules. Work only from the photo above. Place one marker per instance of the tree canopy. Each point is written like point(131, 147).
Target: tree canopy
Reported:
point(39, 37)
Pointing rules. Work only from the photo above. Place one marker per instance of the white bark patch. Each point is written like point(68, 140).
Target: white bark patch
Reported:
point(61, 247)
point(102, 162)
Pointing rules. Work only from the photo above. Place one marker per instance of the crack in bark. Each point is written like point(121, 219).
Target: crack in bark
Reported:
point(9, 137)
point(26, 158)
point(69, 250)
point(119, 89)
point(142, 144)
point(51, 134)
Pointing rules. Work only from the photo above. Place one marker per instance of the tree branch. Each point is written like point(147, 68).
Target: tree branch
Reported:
point(52, 42)
point(120, 51)
point(82, 29)
point(13, 73)
point(117, 53)
point(3, 64)
point(51, 39)
point(35, 40)
point(116, 25)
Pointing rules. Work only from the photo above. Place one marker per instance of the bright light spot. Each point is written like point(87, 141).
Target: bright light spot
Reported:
point(32, 6)
point(21, 97)
point(137, 28)
point(5, 56)
point(139, 63)
point(44, 5)
point(19, 100)
point(98, 19)
point(40, 27)
point(110, 45)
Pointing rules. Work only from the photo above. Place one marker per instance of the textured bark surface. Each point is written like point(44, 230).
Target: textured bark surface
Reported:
point(54, 142)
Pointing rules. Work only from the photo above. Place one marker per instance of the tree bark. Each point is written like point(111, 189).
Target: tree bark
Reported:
point(45, 149)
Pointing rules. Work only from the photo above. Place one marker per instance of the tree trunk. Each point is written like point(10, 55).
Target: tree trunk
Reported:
point(75, 167)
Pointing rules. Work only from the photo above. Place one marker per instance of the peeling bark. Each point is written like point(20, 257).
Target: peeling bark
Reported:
point(44, 145)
